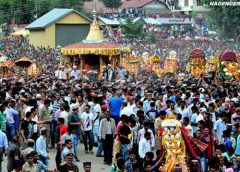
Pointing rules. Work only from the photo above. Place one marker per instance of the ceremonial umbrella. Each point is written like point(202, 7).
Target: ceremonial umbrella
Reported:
point(23, 62)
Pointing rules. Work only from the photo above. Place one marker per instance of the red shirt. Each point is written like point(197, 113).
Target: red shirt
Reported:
point(119, 126)
point(63, 130)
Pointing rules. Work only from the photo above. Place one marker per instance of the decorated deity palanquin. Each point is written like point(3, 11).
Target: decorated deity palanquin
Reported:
point(34, 69)
point(229, 65)
point(173, 142)
point(131, 63)
point(155, 62)
point(212, 65)
point(170, 64)
point(196, 64)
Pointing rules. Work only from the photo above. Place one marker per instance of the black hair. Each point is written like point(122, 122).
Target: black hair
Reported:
point(236, 125)
point(88, 106)
point(179, 116)
point(147, 164)
point(61, 120)
point(221, 148)
point(152, 104)
point(120, 163)
point(28, 114)
point(33, 109)
point(231, 150)
point(147, 134)
point(226, 133)
point(186, 119)
point(118, 155)
point(201, 122)
point(34, 153)
point(68, 141)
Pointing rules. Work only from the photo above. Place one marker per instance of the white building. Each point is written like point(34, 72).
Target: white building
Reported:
point(192, 5)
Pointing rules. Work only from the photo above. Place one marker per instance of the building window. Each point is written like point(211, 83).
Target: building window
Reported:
point(185, 3)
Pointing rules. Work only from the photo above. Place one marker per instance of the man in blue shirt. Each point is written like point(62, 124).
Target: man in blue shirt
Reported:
point(41, 147)
point(3, 146)
point(115, 105)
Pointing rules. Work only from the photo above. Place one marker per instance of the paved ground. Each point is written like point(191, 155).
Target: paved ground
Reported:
point(97, 162)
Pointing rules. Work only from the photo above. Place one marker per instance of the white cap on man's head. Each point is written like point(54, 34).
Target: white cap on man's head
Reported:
point(203, 110)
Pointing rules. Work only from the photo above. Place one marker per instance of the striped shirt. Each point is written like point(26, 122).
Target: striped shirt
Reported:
point(55, 108)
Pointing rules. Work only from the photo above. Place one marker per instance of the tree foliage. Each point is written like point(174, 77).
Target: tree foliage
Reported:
point(113, 4)
point(225, 19)
point(132, 29)
point(26, 11)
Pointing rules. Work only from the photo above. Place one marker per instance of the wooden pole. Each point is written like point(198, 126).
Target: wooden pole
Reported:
point(100, 67)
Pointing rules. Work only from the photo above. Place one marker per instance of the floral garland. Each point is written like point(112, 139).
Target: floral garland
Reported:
point(231, 69)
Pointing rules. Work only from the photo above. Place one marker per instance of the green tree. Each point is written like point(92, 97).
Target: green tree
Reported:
point(5, 16)
point(14, 11)
point(42, 7)
point(26, 11)
point(113, 4)
point(131, 29)
point(225, 19)
point(74, 4)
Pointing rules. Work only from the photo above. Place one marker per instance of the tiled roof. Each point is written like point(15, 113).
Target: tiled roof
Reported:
point(126, 4)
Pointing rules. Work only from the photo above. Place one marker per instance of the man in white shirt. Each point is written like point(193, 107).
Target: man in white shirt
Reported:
point(145, 129)
point(219, 127)
point(187, 126)
point(144, 145)
point(75, 73)
point(183, 110)
point(87, 121)
point(146, 103)
point(62, 73)
point(96, 112)
point(127, 110)
point(201, 114)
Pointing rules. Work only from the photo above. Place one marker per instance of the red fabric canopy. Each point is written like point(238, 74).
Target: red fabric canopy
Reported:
point(228, 55)
point(197, 53)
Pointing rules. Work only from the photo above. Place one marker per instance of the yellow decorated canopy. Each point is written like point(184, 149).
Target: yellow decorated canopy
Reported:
point(23, 62)
point(103, 48)
point(94, 44)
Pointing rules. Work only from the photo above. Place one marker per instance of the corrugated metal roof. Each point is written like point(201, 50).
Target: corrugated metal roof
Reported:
point(51, 17)
point(109, 21)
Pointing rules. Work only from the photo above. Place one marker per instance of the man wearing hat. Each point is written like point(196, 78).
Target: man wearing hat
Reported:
point(68, 165)
point(29, 165)
point(87, 166)
point(29, 149)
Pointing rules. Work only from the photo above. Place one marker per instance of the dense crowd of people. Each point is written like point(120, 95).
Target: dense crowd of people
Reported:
point(139, 12)
point(118, 114)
